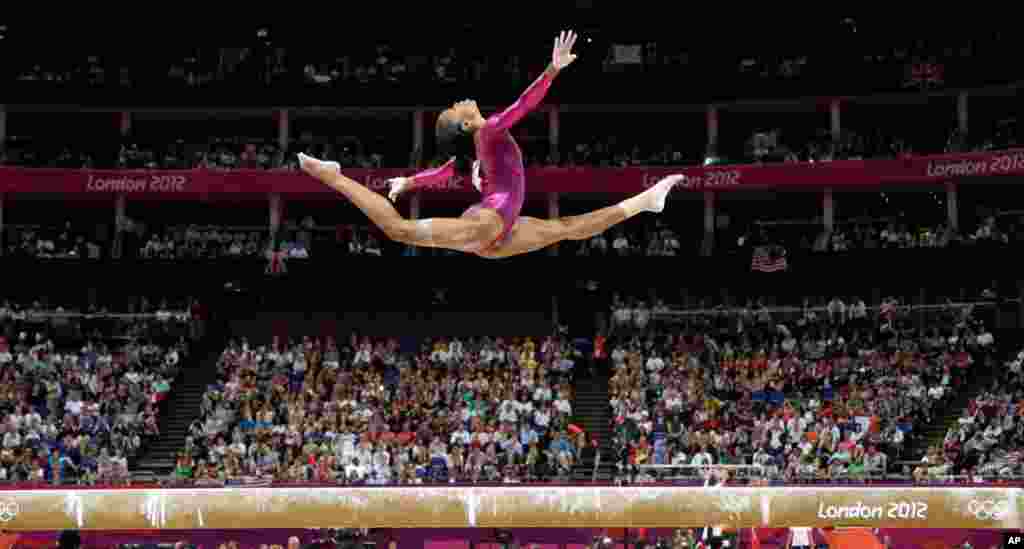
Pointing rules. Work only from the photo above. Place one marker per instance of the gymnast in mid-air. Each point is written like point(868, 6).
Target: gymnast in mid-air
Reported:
point(493, 228)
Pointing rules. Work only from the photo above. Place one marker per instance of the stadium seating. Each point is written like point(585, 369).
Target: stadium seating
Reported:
point(365, 412)
point(81, 394)
point(987, 439)
point(821, 396)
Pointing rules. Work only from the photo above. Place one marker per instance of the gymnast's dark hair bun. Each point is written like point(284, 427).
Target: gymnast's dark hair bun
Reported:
point(454, 141)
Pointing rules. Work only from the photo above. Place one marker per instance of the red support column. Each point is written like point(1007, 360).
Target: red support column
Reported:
point(283, 129)
point(120, 218)
point(961, 112)
point(952, 207)
point(835, 119)
point(125, 123)
point(554, 133)
point(712, 128)
point(709, 223)
point(417, 139)
point(828, 209)
point(276, 213)
point(1, 224)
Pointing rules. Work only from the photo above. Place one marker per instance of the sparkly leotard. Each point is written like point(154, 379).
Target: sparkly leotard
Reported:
point(504, 188)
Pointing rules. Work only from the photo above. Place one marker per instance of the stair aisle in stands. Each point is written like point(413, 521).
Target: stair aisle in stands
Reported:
point(592, 412)
point(181, 408)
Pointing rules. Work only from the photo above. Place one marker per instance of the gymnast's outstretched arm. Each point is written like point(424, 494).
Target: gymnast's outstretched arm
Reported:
point(561, 57)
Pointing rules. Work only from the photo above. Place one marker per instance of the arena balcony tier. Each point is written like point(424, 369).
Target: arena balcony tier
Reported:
point(713, 205)
point(231, 63)
point(950, 177)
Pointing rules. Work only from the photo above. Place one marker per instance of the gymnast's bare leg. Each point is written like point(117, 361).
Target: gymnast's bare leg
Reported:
point(532, 234)
point(467, 233)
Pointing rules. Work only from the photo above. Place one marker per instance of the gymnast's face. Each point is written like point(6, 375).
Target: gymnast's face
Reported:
point(466, 113)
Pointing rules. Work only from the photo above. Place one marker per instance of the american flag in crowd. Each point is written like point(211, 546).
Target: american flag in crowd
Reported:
point(924, 75)
point(250, 482)
point(887, 309)
point(769, 259)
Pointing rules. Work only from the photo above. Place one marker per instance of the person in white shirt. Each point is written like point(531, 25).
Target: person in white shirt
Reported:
point(33, 420)
point(858, 310)
point(362, 356)
point(673, 399)
point(563, 406)
point(993, 432)
point(441, 355)
point(897, 437)
point(621, 316)
point(509, 412)
point(461, 437)
point(355, 471)
point(621, 244)
point(985, 338)
point(455, 349)
point(542, 394)
point(382, 459)
point(800, 538)
point(364, 455)
point(702, 458)
point(12, 440)
point(641, 316)
point(836, 311)
point(488, 355)
point(619, 356)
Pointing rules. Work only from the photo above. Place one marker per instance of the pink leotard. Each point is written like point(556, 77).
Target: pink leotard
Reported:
point(504, 188)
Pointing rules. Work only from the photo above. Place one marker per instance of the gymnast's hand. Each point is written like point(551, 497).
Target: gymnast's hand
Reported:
point(396, 186)
point(562, 55)
point(476, 175)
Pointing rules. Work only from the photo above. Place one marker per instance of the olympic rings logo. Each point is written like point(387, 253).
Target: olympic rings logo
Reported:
point(9, 510)
point(988, 509)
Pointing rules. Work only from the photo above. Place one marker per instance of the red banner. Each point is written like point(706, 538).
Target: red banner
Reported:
point(837, 175)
